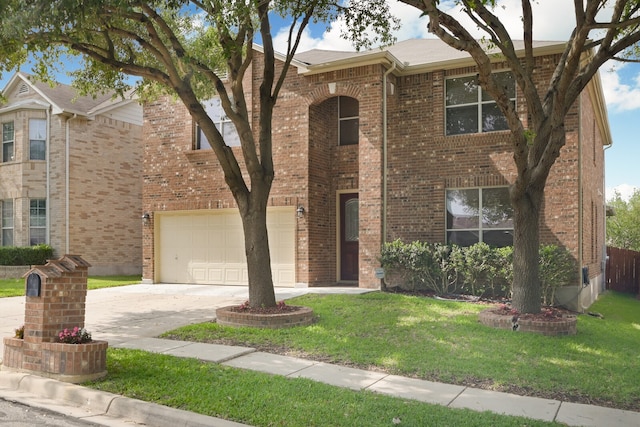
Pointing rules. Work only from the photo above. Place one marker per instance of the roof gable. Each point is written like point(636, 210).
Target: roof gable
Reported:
point(61, 98)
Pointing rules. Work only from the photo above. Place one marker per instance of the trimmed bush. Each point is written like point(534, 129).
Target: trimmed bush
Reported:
point(478, 270)
point(29, 255)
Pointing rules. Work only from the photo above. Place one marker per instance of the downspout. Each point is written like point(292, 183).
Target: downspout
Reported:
point(604, 214)
point(67, 145)
point(384, 151)
point(48, 178)
point(580, 210)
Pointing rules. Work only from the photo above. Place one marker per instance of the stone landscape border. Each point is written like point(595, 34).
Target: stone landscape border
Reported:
point(564, 326)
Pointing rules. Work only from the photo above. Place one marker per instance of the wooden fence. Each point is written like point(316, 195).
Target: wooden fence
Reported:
point(623, 270)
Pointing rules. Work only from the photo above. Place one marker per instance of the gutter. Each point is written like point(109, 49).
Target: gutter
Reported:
point(406, 68)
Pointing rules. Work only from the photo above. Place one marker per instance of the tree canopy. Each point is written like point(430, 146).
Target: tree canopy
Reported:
point(604, 30)
point(191, 50)
point(623, 228)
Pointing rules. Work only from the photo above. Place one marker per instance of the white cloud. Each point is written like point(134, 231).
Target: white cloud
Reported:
point(551, 20)
point(620, 96)
point(550, 23)
point(625, 191)
point(330, 40)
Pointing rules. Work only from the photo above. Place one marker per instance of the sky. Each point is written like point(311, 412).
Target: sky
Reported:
point(552, 21)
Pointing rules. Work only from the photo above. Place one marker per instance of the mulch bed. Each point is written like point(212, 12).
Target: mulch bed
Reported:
point(280, 308)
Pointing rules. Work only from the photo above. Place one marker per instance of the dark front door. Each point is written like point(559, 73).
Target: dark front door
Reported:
point(349, 228)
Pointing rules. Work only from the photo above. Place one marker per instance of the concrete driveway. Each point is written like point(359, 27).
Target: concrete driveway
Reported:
point(121, 313)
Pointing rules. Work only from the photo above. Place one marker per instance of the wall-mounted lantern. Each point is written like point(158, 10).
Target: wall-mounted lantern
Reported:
point(146, 218)
point(300, 211)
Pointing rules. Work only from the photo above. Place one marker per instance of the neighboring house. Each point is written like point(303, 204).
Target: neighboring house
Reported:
point(369, 147)
point(70, 174)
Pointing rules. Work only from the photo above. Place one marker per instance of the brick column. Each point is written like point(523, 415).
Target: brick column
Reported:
point(60, 305)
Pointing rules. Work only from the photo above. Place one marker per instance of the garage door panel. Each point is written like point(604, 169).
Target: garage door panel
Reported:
point(199, 274)
point(284, 275)
point(197, 247)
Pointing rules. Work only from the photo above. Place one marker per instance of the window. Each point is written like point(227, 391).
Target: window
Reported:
point(37, 221)
point(7, 223)
point(7, 142)
point(470, 110)
point(348, 120)
point(479, 215)
point(213, 107)
point(37, 139)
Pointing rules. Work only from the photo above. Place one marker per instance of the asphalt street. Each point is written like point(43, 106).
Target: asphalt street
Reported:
point(17, 415)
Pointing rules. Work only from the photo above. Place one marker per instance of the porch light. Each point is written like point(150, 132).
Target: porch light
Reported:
point(300, 211)
point(146, 218)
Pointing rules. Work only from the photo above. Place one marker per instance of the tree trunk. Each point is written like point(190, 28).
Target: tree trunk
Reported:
point(256, 243)
point(526, 242)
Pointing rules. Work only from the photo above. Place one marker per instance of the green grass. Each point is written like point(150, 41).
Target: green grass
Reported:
point(98, 282)
point(16, 287)
point(269, 400)
point(12, 287)
point(443, 341)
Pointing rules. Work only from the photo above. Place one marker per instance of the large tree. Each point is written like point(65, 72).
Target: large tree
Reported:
point(185, 48)
point(604, 30)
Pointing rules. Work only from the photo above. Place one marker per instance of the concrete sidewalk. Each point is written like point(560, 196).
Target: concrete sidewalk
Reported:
point(111, 316)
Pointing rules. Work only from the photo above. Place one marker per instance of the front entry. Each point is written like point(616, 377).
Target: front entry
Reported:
point(349, 229)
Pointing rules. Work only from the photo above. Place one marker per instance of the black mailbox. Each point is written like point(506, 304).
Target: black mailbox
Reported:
point(33, 285)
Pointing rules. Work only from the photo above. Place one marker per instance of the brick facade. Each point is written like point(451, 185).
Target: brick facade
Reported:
point(91, 180)
point(312, 169)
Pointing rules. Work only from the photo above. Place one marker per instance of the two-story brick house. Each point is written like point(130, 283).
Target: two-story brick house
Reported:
point(368, 147)
point(70, 174)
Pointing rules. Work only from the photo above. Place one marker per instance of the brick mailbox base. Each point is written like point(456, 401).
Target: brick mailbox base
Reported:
point(56, 295)
point(73, 363)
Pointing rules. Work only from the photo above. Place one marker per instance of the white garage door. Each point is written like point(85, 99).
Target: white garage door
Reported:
point(208, 247)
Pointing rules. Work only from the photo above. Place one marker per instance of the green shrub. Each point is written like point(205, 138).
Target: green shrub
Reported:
point(557, 268)
point(28, 255)
point(422, 266)
point(475, 270)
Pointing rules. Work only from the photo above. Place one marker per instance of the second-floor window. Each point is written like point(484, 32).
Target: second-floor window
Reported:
point(7, 142)
point(37, 139)
point(469, 109)
point(7, 222)
point(348, 120)
point(213, 107)
point(37, 221)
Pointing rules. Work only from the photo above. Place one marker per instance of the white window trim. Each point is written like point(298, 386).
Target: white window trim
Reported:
point(13, 217)
point(220, 124)
point(38, 227)
point(38, 137)
point(480, 229)
point(11, 141)
point(479, 102)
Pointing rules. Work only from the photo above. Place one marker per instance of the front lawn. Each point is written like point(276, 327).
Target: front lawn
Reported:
point(260, 399)
point(443, 341)
point(16, 287)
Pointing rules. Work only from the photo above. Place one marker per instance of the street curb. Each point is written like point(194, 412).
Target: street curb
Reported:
point(105, 403)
